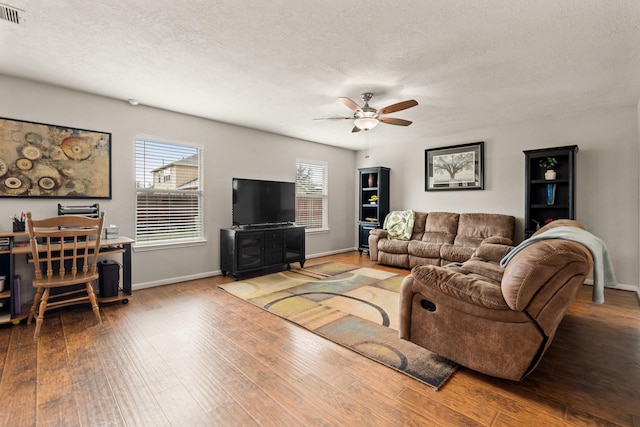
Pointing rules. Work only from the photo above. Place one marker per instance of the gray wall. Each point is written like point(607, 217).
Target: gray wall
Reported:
point(607, 183)
point(228, 151)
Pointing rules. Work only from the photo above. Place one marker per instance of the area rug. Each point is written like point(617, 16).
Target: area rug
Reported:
point(352, 306)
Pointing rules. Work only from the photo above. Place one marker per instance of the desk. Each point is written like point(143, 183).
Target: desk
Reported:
point(118, 245)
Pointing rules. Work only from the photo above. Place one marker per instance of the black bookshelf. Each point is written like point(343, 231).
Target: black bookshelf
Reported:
point(538, 209)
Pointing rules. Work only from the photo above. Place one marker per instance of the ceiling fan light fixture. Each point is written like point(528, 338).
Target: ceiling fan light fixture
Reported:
point(366, 123)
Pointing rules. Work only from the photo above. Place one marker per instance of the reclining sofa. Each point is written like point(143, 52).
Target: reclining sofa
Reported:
point(492, 319)
point(439, 238)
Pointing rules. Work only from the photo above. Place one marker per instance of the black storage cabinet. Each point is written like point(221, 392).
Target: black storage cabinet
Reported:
point(109, 280)
point(373, 181)
point(244, 250)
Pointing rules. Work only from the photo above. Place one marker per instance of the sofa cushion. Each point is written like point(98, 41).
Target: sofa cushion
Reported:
point(393, 246)
point(424, 249)
point(440, 227)
point(479, 269)
point(419, 220)
point(473, 228)
point(454, 253)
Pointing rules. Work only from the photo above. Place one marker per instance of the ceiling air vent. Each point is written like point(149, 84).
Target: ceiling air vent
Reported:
point(12, 14)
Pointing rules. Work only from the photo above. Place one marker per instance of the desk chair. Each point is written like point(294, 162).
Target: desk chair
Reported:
point(64, 250)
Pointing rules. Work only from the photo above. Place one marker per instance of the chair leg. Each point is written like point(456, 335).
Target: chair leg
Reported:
point(43, 307)
point(94, 302)
point(36, 301)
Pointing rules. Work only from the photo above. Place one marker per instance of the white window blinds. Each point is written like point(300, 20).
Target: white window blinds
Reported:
point(311, 194)
point(168, 193)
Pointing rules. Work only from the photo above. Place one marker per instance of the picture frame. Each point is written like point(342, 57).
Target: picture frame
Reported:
point(457, 167)
point(52, 161)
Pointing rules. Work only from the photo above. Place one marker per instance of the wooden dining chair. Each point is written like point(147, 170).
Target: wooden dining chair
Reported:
point(64, 254)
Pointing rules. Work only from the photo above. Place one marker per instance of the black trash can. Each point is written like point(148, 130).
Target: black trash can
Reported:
point(109, 272)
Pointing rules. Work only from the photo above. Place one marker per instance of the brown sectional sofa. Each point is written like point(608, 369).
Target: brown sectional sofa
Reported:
point(440, 238)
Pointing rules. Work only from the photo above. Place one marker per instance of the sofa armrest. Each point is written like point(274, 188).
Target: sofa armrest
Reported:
point(374, 236)
point(498, 240)
point(381, 233)
point(493, 252)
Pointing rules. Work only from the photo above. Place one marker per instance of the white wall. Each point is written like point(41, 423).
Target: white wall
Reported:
point(638, 136)
point(607, 179)
point(229, 151)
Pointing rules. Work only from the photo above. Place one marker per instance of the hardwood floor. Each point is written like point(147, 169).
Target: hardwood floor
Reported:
point(190, 354)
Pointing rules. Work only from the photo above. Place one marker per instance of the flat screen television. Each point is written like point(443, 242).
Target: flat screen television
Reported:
point(257, 202)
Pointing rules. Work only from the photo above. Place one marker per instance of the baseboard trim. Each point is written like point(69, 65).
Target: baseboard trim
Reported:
point(621, 286)
point(339, 251)
point(172, 280)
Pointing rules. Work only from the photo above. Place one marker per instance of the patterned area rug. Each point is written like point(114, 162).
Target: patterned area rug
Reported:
point(352, 306)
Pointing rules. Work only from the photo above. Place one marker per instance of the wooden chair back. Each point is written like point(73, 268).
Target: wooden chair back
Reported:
point(65, 246)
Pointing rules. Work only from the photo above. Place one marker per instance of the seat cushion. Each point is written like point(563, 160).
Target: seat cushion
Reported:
point(464, 288)
point(483, 270)
point(393, 246)
point(424, 249)
point(454, 253)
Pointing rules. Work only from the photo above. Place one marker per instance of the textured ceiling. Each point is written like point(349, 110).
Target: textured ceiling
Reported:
point(278, 65)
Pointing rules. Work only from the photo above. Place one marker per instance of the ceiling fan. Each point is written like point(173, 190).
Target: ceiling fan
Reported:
point(366, 118)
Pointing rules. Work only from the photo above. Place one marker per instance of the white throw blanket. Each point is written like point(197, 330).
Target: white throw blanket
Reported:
point(602, 268)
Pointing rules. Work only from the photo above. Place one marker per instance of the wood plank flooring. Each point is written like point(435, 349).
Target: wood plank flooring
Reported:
point(190, 354)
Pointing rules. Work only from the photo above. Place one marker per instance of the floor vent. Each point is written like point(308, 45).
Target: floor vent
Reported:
point(12, 14)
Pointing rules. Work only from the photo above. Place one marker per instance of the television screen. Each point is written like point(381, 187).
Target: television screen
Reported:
point(257, 202)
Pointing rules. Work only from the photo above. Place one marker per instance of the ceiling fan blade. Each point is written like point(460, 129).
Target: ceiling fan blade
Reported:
point(398, 107)
point(350, 104)
point(355, 129)
point(335, 118)
point(394, 121)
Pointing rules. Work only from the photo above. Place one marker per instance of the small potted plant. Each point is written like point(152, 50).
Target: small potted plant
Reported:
point(549, 165)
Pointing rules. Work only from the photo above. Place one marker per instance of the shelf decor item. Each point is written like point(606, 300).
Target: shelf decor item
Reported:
point(458, 167)
point(371, 180)
point(551, 194)
point(549, 164)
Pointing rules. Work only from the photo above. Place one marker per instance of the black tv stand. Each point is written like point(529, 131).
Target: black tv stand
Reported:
point(249, 249)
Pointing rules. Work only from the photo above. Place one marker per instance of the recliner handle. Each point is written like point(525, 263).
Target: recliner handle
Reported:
point(428, 305)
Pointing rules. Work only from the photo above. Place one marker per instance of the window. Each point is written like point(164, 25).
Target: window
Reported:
point(168, 193)
point(311, 194)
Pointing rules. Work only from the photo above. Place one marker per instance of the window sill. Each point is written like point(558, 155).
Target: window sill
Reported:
point(144, 247)
point(317, 230)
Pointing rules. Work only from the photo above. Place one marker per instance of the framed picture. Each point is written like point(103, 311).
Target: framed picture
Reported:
point(459, 167)
point(41, 160)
